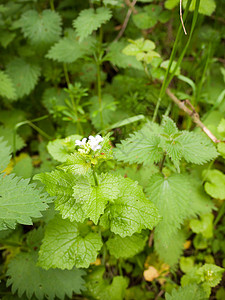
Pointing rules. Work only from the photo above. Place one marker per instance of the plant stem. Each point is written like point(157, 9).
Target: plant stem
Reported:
point(95, 178)
point(52, 5)
point(220, 214)
point(173, 53)
point(30, 123)
point(66, 74)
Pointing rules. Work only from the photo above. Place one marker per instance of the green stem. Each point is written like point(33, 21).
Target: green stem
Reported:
point(52, 5)
point(120, 267)
point(104, 254)
point(30, 123)
point(220, 214)
point(203, 76)
point(95, 178)
point(173, 53)
point(66, 74)
point(99, 92)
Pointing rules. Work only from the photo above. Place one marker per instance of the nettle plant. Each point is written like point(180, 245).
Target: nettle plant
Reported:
point(90, 201)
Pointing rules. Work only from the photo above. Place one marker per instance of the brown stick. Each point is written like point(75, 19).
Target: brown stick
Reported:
point(126, 20)
point(193, 114)
point(181, 18)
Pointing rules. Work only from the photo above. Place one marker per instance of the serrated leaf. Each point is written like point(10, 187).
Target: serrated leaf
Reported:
point(90, 20)
point(119, 59)
point(5, 152)
point(60, 184)
point(169, 127)
point(142, 146)
point(7, 134)
point(93, 199)
point(211, 274)
point(24, 75)
point(131, 211)
point(19, 201)
point(68, 49)
point(64, 246)
point(215, 183)
point(128, 246)
point(171, 198)
point(60, 149)
point(42, 283)
point(76, 164)
point(53, 97)
point(196, 148)
point(99, 288)
point(7, 88)
point(221, 149)
point(189, 292)
point(44, 27)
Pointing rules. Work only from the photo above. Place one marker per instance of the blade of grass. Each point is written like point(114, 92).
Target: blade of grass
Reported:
point(167, 80)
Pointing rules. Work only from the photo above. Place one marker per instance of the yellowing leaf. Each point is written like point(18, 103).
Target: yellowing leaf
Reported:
point(151, 274)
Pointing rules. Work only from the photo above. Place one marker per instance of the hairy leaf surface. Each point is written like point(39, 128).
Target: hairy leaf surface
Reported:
point(44, 27)
point(60, 184)
point(24, 75)
point(128, 246)
point(42, 283)
point(7, 88)
point(94, 199)
point(19, 202)
point(5, 156)
point(131, 211)
point(90, 20)
point(65, 245)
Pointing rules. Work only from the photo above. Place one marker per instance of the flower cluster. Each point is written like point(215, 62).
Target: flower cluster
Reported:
point(92, 144)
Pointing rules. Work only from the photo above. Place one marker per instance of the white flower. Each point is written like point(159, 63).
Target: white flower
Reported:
point(81, 143)
point(94, 142)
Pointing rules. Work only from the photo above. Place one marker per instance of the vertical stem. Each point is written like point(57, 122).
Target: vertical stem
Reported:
point(95, 178)
point(66, 74)
point(52, 5)
point(166, 81)
point(99, 91)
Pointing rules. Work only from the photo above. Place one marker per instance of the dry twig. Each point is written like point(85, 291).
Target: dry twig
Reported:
point(193, 114)
point(126, 20)
point(181, 18)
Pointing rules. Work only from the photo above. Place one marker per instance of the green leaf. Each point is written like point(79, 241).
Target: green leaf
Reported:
point(215, 183)
point(7, 134)
point(24, 75)
point(119, 59)
point(131, 211)
point(93, 199)
point(60, 184)
point(7, 88)
point(221, 149)
point(206, 7)
point(60, 149)
point(169, 246)
point(144, 21)
point(19, 201)
point(196, 148)
point(90, 20)
point(76, 164)
point(24, 167)
point(68, 49)
point(108, 105)
point(211, 274)
point(203, 226)
point(42, 283)
point(169, 127)
point(99, 288)
point(189, 292)
point(44, 27)
point(5, 152)
point(65, 245)
point(141, 147)
point(128, 246)
point(172, 197)
point(221, 127)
